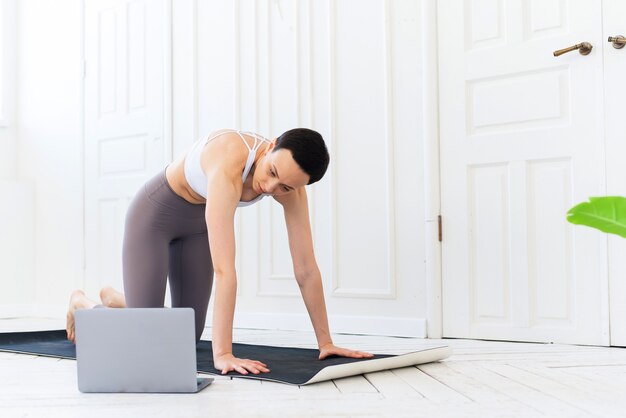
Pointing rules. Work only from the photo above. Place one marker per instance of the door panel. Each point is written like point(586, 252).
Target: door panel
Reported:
point(521, 141)
point(124, 138)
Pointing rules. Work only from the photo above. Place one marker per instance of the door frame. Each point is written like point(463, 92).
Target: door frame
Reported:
point(613, 142)
point(431, 162)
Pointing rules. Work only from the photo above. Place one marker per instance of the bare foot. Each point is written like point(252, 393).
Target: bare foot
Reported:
point(111, 298)
point(78, 300)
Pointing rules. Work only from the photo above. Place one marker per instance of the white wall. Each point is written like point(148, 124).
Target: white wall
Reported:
point(16, 196)
point(8, 144)
point(48, 155)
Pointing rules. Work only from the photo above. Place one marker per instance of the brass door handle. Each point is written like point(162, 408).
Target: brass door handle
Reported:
point(618, 41)
point(584, 48)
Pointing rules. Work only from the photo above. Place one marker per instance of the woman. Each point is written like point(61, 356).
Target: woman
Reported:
point(181, 224)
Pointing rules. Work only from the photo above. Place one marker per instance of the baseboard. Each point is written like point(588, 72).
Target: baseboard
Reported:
point(16, 311)
point(372, 325)
point(33, 311)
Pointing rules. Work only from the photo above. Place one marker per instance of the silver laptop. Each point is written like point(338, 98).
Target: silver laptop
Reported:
point(137, 350)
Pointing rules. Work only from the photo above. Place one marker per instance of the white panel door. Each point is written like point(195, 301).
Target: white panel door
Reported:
point(521, 142)
point(350, 70)
point(615, 92)
point(124, 123)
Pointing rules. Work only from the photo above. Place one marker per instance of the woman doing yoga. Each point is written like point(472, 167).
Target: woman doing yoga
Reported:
point(180, 225)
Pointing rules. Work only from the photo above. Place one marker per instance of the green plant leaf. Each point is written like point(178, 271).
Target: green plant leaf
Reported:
point(608, 214)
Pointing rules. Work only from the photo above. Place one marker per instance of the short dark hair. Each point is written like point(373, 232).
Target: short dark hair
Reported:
point(308, 150)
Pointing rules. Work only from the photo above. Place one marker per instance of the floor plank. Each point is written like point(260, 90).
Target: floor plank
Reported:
point(355, 384)
point(466, 384)
point(429, 387)
point(571, 396)
point(391, 386)
point(533, 399)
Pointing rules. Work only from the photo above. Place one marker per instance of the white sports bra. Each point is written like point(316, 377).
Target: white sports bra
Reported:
point(193, 170)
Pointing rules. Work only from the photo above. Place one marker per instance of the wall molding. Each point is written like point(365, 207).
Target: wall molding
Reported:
point(337, 290)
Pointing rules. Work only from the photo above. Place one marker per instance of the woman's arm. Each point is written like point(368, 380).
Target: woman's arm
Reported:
point(223, 193)
point(307, 272)
point(305, 267)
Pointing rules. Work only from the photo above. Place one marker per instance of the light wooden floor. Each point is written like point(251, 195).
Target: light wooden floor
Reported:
point(482, 379)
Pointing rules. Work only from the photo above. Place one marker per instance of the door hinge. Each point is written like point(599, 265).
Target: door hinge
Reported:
point(439, 221)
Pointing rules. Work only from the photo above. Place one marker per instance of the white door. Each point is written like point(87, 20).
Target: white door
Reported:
point(615, 92)
point(351, 70)
point(521, 142)
point(124, 123)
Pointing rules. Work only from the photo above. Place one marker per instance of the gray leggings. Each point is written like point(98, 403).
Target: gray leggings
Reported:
point(165, 235)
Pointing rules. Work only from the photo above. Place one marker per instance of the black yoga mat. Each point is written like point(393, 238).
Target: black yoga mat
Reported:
point(297, 366)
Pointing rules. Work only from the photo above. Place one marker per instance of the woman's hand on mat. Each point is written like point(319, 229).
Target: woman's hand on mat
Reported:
point(228, 362)
point(332, 350)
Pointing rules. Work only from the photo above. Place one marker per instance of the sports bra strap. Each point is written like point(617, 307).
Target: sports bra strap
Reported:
point(258, 140)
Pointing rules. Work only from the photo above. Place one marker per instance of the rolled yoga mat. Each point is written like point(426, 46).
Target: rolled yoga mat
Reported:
point(295, 366)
